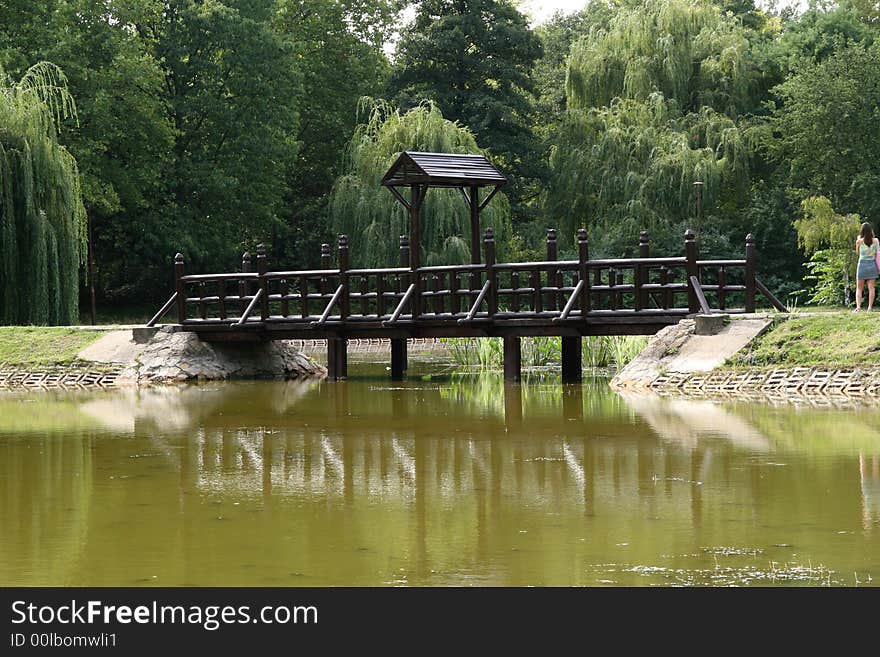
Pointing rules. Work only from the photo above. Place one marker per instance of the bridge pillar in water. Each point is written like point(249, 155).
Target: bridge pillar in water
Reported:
point(399, 361)
point(337, 358)
point(512, 358)
point(571, 359)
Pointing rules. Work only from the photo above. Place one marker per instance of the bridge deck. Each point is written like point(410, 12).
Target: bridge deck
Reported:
point(568, 298)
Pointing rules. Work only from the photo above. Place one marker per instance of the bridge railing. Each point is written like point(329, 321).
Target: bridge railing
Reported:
point(551, 289)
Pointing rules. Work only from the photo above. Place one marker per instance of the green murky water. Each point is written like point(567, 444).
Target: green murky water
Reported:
point(446, 481)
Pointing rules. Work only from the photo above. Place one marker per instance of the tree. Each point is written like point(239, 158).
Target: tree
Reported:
point(474, 59)
point(42, 218)
point(829, 239)
point(361, 208)
point(826, 130)
point(231, 89)
point(656, 102)
point(123, 138)
point(338, 45)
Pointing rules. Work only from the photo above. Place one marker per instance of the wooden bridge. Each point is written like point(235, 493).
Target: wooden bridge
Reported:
point(567, 298)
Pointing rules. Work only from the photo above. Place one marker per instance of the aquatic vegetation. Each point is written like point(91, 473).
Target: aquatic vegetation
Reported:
point(597, 351)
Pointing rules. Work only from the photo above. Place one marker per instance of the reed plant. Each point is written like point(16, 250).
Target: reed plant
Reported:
point(599, 352)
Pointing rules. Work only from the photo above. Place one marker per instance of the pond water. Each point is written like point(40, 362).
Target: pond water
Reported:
point(440, 480)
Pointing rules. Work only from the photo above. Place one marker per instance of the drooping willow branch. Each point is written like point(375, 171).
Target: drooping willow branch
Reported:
point(42, 217)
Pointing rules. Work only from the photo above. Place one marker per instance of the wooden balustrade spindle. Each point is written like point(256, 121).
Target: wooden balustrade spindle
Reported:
point(203, 306)
point(536, 287)
point(514, 296)
point(722, 294)
point(221, 294)
point(264, 287)
point(304, 297)
point(284, 288)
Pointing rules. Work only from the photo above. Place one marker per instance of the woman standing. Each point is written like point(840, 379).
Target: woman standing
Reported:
point(866, 247)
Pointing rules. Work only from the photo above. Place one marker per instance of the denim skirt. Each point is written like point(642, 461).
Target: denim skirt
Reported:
point(867, 269)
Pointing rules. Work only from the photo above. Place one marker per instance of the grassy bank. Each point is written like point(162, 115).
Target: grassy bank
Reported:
point(832, 339)
point(41, 345)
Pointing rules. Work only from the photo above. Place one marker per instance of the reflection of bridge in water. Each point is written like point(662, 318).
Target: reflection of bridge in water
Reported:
point(432, 478)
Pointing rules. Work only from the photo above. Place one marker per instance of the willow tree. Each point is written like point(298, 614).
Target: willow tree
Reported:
point(361, 208)
point(656, 103)
point(42, 218)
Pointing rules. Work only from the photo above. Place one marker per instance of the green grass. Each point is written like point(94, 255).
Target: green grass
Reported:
point(835, 339)
point(41, 345)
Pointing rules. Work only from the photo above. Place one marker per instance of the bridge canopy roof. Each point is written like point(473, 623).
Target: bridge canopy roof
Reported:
point(442, 170)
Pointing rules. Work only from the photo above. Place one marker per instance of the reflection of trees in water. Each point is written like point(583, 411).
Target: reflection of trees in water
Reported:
point(430, 477)
point(45, 505)
point(869, 471)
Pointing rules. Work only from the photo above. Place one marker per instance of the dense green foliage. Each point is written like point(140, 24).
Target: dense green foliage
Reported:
point(207, 126)
point(42, 219)
point(474, 59)
point(362, 208)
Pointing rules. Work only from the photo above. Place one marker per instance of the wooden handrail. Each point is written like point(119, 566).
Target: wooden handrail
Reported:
point(163, 311)
point(250, 308)
point(405, 300)
point(333, 301)
point(206, 278)
point(698, 290)
point(307, 273)
point(571, 301)
point(721, 263)
point(776, 303)
point(480, 297)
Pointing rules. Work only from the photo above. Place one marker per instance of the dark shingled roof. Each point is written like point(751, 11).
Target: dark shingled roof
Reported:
point(442, 170)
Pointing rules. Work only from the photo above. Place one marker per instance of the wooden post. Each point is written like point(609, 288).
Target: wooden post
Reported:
point(180, 288)
point(641, 273)
point(415, 207)
point(571, 359)
point(475, 225)
point(512, 358)
point(750, 273)
point(690, 254)
point(398, 358)
point(325, 264)
point(552, 273)
point(264, 286)
point(722, 281)
point(583, 271)
point(337, 358)
point(243, 285)
point(345, 301)
point(399, 361)
point(492, 297)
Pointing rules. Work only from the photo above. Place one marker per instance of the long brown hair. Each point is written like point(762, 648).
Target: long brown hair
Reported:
point(867, 234)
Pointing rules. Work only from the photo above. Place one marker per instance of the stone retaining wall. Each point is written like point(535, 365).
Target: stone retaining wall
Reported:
point(69, 377)
point(811, 385)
